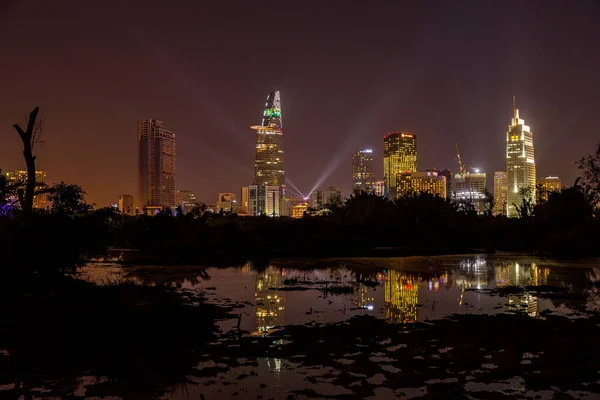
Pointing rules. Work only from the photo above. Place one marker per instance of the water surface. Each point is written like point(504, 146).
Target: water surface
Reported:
point(398, 291)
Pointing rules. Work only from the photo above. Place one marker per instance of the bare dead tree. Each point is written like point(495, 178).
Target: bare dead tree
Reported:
point(30, 137)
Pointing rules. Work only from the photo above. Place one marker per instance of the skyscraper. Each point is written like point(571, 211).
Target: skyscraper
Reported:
point(500, 192)
point(257, 199)
point(186, 199)
point(471, 187)
point(125, 204)
point(156, 165)
point(288, 203)
point(399, 155)
point(269, 162)
point(363, 177)
point(449, 180)
point(408, 183)
point(243, 206)
point(380, 188)
point(40, 200)
point(547, 185)
point(321, 199)
point(520, 161)
point(272, 195)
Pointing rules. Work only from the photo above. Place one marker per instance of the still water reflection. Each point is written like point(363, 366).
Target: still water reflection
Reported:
point(397, 290)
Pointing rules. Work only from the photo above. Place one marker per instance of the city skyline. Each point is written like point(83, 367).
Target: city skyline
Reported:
point(91, 88)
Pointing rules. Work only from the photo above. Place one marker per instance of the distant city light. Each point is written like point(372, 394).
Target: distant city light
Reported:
point(370, 308)
point(367, 151)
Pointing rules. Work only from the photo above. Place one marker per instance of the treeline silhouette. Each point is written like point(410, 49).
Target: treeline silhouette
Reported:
point(367, 225)
point(70, 232)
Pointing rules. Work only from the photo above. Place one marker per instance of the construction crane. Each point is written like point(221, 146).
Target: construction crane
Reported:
point(462, 169)
point(462, 172)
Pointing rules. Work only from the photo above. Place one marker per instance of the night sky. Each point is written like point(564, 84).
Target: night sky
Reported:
point(348, 72)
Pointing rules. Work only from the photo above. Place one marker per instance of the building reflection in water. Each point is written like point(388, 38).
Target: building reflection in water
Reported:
point(515, 274)
point(472, 273)
point(270, 306)
point(360, 295)
point(401, 296)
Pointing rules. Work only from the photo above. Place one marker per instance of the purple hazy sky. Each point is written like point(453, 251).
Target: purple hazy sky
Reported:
point(348, 72)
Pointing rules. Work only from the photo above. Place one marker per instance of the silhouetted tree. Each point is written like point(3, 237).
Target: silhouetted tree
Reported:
point(68, 200)
point(590, 166)
point(363, 207)
point(29, 137)
point(526, 208)
point(465, 207)
point(488, 203)
point(165, 212)
point(565, 208)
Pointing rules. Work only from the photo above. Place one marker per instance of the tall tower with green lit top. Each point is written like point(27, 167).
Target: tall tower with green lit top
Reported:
point(269, 162)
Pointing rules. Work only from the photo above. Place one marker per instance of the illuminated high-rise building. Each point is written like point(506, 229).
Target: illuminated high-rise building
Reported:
point(520, 161)
point(547, 185)
point(287, 205)
point(408, 183)
point(125, 204)
point(226, 202)
point(321, 199)
point(272, 201)
point(186, 199)
point(257, 197)
point(156, 165)
point(316, 200)
point(40, 200)
point(264, 200)
point(269, 162)
point(399, 155)
point(500, 192)
point(363, 177)
point(332, 195)
point(449, 182)
point(298, 210)
point(380, 188)
point(243, 206)
point(471, 187)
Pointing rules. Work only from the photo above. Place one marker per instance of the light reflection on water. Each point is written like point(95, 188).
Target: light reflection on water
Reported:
point(396, 295)
point(397, 290)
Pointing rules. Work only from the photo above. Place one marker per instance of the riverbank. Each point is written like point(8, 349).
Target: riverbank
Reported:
point(224, 259)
